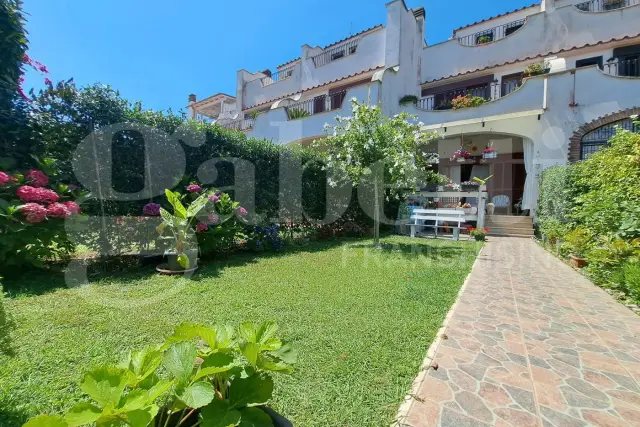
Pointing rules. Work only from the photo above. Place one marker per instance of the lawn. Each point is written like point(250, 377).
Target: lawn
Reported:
point(361, 319)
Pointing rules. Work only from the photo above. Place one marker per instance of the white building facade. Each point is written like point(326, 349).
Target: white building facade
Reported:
point(550, 82)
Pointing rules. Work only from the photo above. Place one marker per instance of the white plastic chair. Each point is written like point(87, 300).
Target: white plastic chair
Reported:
point(502, 201)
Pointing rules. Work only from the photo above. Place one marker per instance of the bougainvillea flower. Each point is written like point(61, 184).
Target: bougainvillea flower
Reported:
point(152, 209)
point(58, 210)
point(34, 213)
point(27, 193)
point(37, 178)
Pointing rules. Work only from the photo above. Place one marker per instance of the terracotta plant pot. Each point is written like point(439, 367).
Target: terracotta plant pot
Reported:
point(578, 262)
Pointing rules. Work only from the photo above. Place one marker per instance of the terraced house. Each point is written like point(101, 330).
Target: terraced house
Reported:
point(542, 85)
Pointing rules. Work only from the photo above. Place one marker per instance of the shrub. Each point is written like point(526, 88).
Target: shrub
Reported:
point(467, 101)
point(33, 207)
point(408, 100)
point(200, 375)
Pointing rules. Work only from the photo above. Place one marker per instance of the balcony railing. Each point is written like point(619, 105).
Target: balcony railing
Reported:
point(282, 74)
point(241, 124)
point(443, 100)
point(492, 34)
point(623, 68)
point(336, 53)
point(605, 5)
point(319, 104)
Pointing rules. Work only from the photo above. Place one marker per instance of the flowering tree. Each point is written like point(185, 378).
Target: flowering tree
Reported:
point(382, 152)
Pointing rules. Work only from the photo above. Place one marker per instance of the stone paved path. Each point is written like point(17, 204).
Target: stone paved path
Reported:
point(532, 343)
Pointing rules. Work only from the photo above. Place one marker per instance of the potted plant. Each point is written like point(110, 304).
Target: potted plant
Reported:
point(536, 69)
point(479, 234)
point(408, 99)
point(471, 186)
point(578, 242)
point(451, 186)
point(433, 180)
point(461, 156)
point(489, 153)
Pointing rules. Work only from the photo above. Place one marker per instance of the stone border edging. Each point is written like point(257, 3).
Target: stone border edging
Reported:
point(405, 406)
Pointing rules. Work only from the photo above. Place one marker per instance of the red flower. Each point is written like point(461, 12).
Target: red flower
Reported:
point(37, 178)
point(34, 213)
point(58, 210)
point(72, 207)
point(4, 178)
point(27, 193)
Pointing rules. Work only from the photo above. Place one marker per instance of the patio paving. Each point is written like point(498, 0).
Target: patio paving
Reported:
point(531, 342)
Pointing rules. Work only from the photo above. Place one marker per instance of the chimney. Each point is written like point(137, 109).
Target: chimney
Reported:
point(192, 98)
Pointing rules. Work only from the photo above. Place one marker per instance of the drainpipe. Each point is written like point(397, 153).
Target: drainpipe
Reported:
point(573, 90)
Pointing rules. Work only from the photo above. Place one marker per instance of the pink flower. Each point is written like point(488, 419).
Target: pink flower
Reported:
point(194, 188)
point(37, 178)
point(4, 178)
point(214, 198)
point(26, 193)
point(57, 210)
point(214, 219)
point(33, 213)
point(242, 212)
point(72, 207)
point(152, 209)
point(201, 227)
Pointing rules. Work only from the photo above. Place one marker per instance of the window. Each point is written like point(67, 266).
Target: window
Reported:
point(512, 29)
point(596, 60)
point(598, 138)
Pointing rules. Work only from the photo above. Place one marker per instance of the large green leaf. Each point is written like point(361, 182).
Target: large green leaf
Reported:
point(198, 394)
point(253, 390)
point(50, 421)
point(141, 417)
point(219, 414)
point(174, 200)
point(105, 384)
point(82, 413)
point(254, 417)
point(179, 360)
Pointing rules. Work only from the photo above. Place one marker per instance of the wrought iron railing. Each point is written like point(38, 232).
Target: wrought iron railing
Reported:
point(282, 74)
point(605, 5)
point(335, 53)
point(444, 100)
point(623, 68)
point(241, 124)
point(316, 105)
point(491, 34)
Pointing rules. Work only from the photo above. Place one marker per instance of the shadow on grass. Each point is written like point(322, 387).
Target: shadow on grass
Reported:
point(134, 268)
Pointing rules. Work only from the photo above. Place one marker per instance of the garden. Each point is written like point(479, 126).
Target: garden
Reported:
point(146, 283)
point(590, 215)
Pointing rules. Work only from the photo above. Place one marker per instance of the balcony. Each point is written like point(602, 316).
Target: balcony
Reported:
point(317, 105)
point(492, 34)
point(279, 75)
point(336, 53)
point(623, 68)
point(605, 5)
point(443, 100)
point(241, 124)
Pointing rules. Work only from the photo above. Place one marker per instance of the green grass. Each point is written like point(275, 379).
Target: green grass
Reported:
point(361, 319)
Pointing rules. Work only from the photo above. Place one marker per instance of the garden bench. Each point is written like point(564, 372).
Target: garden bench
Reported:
point(437, 216)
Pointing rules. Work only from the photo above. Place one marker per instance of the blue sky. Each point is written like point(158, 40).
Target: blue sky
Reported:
point(160, 51)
